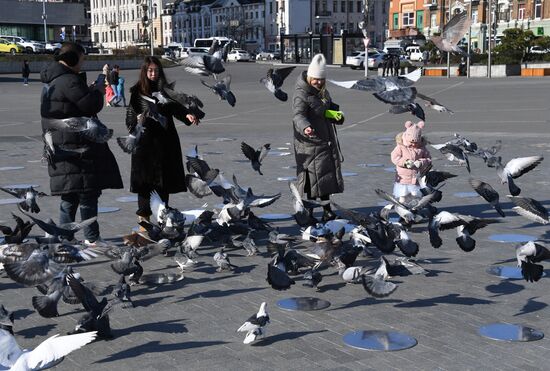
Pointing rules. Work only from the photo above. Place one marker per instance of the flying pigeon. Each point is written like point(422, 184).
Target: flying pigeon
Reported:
point(29, 195)
point(433, 104)
point(19, 232)
point(274, 81)
point(376, 284)
point(255, 325)
point(204, 65)
point(12, 356)
point(454, 153)
point(303, 209)
point(222, 88)
point(130, 142)
point(191, 103)
point(488, 193)
point(255, 156)
point(530, 208)
point(516, 168)
point(529, 254)
point(452, 33)
point(90, 128)
point(64, 231)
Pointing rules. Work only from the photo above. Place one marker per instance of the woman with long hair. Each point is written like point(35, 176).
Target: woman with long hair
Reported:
point(157, 163)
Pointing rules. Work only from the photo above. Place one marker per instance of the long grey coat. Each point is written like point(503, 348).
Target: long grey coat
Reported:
point(318, 158)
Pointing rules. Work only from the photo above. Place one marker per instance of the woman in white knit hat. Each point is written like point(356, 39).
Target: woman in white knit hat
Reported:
point(317, 151)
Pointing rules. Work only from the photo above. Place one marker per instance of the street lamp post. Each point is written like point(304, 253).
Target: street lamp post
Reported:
point(151, 27)
point(44, 16)
point(364, 28)
point(490, 30)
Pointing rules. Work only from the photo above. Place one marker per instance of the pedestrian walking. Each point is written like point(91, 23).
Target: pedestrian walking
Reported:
point(120, 91)
point(113, 81)
point(26, 71)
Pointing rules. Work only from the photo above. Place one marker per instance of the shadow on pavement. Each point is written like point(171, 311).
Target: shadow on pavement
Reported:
point(170, 326)
point(285, 336)
point(366, 301)
point(156, 347)
point(219, 293)
point(447, 299)
point(35, 331)
point(531, 306)
point(504, 288)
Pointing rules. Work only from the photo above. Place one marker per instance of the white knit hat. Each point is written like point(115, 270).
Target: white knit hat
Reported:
point(317, 67)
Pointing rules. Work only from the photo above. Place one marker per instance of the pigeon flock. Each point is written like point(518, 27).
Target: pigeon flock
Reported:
point(50, 261)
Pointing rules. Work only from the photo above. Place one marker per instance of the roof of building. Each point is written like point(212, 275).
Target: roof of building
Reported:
point(30, 12)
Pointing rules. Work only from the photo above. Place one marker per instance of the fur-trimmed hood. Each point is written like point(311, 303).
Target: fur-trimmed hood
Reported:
point(399, 139)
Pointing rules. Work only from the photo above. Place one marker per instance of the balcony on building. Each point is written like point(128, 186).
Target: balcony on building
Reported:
point(112, 24)
point(403, 32)
point(323, 14)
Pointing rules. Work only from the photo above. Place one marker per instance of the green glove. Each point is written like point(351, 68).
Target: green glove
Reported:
point(334, 115)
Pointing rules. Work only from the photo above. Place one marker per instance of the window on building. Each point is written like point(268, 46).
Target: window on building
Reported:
point(351, 26)
point(343, 6)
point(317, 27)
point(408, 19)
point(335, 6)
point(271, 7)
point(474, 16)
point(521, 11)
point(538, 9)
point(396, 21)
point(371, 16)
point(359, 6)
point(342, 26)
point(324, 6)
point(350, 6)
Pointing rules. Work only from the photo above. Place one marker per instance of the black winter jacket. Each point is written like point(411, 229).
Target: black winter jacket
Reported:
point(157, 163)
point(318, 158)
point(67, 95)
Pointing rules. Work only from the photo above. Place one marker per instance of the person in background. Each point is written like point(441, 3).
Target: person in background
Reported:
point(26, 71)
point(120, 91)
point(80, 179)
point(316, 147)
point(113, 81)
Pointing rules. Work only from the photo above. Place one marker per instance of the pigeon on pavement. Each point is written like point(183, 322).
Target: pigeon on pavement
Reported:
point(255, 325)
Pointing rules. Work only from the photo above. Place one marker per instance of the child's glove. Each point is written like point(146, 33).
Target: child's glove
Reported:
point(417, 164)
point(409, 164)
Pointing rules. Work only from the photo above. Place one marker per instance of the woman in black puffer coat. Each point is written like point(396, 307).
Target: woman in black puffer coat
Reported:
point(157, 163)
point(79, 179)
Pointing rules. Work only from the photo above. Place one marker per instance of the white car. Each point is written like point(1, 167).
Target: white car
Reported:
point(414, 53)
point(356, 59)
point(538, 50)
point(29, 46)
point(52, 47)
point(265, 56)
point(238, 55)
point(196, 52)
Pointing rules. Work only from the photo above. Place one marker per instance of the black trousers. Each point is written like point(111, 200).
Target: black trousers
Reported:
point(144, 200)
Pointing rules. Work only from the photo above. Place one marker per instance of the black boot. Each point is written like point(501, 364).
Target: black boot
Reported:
point(327, 214)
point(312, 220)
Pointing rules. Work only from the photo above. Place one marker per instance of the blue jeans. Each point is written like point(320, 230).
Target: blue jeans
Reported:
point(25, 80)
point(88, 209)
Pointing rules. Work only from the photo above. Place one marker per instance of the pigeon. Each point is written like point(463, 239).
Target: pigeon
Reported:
point(466, 226)
point(529, 254)
point(184, 262)
point(303, 209)
point(453, 153)
point(411, 107)
point(402, 240)
point(6, 320)
point(258, 224)
point(18, 233)
point(516, 168)
point(432, 178)
point(394, 90)
point(49, 351)
point(530, 208)
point(122, 291)
point(248, 244)
point(255, 156)
point(97, 316)
point(57, 288)
point(53, 153)
point(169, 220)
point(65, 231)
point(278, 279)
point(191, 243)
point(29, 196)
point(376, 284)
point(204, 65)
point(255, 325)
point(190, 103)
point(433, 104)
point(312, 278)
point(404, 267)
point(274, 81)
point(488, 193)
point(452, 33)
point(130, 143)
point(128, 265)
point(222, 261)
point(222, 88)
point(250, 199)
point(90, 128)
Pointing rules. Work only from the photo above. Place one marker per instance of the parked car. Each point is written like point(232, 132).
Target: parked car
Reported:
point(356, 59)
point(197, 52)
point(414, 53)
point(538, 50)
point(265, 56)
point(29, 46)
point(7, 46)
point(53, 47)
point(238, 55)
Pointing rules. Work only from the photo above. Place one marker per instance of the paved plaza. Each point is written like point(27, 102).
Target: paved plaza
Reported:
point(191, 325)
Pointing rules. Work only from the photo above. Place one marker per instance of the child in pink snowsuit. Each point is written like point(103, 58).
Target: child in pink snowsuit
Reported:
point(410, 157)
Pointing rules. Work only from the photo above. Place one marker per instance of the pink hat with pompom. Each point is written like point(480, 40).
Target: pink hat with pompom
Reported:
point(413, 132)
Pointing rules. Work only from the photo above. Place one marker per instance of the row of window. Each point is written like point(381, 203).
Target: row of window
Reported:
point(132, 35)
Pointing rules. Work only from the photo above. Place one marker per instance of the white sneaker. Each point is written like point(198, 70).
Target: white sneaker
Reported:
point(97, 243)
